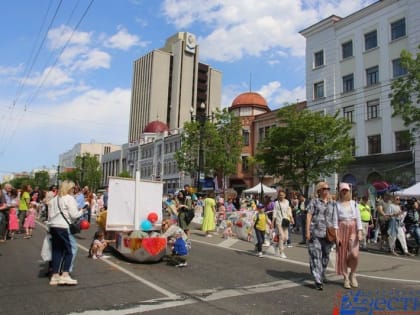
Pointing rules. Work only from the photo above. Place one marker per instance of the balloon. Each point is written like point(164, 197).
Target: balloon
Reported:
point(146, 225)
point(152, 217)
point(84, 225)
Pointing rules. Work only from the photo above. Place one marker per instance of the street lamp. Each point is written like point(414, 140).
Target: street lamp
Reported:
point(201, 117)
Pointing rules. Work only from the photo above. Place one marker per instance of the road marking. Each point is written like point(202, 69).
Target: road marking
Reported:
point(306, 264)
point(228, 242)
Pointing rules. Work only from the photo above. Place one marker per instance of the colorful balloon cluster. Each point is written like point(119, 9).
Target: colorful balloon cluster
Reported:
point(146, 225)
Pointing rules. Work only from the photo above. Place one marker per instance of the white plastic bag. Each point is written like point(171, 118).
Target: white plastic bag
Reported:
point(46, 251)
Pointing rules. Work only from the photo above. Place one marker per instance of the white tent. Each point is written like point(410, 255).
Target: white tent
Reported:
point(412, 191)
point(257, 190)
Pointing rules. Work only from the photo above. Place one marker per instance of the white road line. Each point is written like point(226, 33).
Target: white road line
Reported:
point(228, 242)
point(129, 273)
point(300, 263)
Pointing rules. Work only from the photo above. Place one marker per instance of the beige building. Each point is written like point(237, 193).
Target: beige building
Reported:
point(169, 82)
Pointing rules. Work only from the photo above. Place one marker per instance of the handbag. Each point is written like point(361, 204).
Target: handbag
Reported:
point(285, 223)
point(331, 236)
point(73, 226)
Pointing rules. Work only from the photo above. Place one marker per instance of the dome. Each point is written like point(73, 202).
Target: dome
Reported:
point(249, 99)
point(156, 126)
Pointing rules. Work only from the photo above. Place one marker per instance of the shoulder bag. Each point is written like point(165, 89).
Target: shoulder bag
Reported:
point(74, 227)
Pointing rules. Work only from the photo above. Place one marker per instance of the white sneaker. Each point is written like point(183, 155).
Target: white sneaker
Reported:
point(260, 254)
point(283, 255)
point(54, 279)
point(67, 280)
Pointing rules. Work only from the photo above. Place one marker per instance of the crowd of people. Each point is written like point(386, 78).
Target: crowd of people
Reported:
point(354, 223)
point(58, 207)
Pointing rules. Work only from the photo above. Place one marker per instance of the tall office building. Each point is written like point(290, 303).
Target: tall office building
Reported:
point(169, 82)
point(351, 63)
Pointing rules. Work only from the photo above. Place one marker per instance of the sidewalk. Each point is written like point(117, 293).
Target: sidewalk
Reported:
point(373, 264)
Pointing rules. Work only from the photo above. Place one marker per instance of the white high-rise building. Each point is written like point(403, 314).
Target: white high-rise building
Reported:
point(351, 63)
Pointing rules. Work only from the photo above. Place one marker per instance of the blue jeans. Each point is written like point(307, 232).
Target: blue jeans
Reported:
point(260, 239)
point(62, 254)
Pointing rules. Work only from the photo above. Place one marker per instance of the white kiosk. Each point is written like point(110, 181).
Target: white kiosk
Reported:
point(135, 214)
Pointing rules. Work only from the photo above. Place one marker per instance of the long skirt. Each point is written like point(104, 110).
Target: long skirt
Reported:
point(348, 249)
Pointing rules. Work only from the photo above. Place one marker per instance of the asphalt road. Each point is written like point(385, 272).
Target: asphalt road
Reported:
point(223, 277)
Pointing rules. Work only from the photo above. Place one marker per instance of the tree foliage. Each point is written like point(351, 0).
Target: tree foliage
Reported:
point(42, 179)
point(405, 95)
point(87, 171)
point(222, 145)
point(304, 147)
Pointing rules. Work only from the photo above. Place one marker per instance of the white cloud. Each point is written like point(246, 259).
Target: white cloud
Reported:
point(123, 40)
point(63, 34)
point(276, 96)
point(93, 59)
point(50, 77)
point(253, 27)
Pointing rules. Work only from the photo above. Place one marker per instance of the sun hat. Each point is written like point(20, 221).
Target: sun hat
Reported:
point(344, 186)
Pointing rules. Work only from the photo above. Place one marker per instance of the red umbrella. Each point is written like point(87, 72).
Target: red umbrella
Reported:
point(380, 185)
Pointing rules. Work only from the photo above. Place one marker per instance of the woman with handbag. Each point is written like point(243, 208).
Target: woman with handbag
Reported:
point(319, 216)
point(282, 218)
point(349, 233)
point(62, 212)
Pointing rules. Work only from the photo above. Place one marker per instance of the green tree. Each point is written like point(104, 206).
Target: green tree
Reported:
point(305, 146)
point(221, 141)
point(405, 91)
point(89, 170)
point(73, 175)
point(19, 181)
point(42, 179)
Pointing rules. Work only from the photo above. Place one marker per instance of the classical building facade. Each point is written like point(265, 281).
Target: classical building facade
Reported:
point(351, 63)
point(170, 82)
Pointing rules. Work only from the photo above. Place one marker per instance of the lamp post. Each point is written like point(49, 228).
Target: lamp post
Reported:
point(201, 117)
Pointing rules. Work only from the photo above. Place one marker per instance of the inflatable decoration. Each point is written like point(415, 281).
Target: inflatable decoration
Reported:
point(84, 225)
point(152, 217)
point(146, 225)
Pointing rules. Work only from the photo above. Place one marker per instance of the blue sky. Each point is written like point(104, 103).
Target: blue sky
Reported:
point(66, 66)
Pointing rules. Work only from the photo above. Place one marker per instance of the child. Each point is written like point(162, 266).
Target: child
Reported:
point(13, 222)
point(29, 223)
point(98, 245)
point(228, 230)
point(260, 226)
point(179, 251)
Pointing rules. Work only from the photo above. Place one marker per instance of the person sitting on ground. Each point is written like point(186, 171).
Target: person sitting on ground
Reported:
point(179, 251)
point(98, 245)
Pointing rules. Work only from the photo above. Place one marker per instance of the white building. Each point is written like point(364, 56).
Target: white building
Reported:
point(66, 159)
point(351, 63)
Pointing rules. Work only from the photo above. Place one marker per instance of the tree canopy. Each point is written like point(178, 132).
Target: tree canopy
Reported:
point(305, 147)
point(222, 145)
point(87, 171)
point(405, 95)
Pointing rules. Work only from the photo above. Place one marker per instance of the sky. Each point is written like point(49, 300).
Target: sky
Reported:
point(66, 67)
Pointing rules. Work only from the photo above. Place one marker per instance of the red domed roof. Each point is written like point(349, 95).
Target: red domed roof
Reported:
point(249, 99)
point(156, 126)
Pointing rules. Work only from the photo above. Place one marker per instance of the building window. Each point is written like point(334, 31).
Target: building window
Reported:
point(318, 90)
point(348, 113)
point(348, 83)
point(397, 69)
point(372, 109)
point(371, 40)
point(374, 144)
point(245, 137)
point(245, 165)
point(319, 59)
point(402, 140)
point(398, 29)
point(347, 49)
point(372, 76)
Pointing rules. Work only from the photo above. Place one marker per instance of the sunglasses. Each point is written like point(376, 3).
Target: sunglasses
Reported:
point(325, 188)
